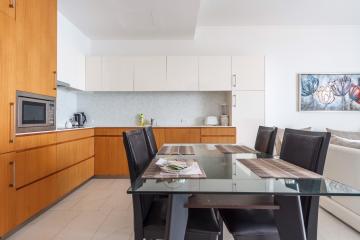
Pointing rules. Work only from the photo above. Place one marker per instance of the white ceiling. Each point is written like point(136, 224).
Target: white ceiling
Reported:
point(279, 12)
point(133, 19)
point(178, 19)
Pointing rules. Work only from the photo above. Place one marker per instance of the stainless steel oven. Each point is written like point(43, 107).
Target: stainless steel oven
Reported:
point(35, 112)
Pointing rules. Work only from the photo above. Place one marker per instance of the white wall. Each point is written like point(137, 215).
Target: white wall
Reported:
point(73, 46)
point(289, 50)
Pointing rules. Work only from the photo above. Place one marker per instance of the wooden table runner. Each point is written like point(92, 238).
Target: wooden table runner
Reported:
point(277, 168)
point(226, 149)
point(154, 172)
point(176, 150)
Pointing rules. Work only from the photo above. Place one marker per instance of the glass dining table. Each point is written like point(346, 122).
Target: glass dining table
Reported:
point(227, 177)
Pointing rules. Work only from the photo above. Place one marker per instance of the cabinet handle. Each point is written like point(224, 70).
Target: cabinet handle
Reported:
point(12, 3)
point(234, 100)
point(12, 123)
point(13, 172)
point(234, 80)
point(55, 80)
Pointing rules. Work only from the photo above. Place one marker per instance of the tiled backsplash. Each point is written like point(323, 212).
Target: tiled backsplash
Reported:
point(121, 108)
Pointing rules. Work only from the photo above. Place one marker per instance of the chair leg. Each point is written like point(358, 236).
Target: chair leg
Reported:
point(221, 225)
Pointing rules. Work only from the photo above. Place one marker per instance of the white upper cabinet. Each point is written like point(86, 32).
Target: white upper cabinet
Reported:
point(215, 73)
point(248, 72)
point(182, 73)
point(150, 73)
point(117, 74)
point(93, 69)
point(248, 113)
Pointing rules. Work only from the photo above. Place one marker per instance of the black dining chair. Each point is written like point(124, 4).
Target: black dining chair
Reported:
point(302, 148)
point(265, 139)
point(150, 212)
point(150, 141)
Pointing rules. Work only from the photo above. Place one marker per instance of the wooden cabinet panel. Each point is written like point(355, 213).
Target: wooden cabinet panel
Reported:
point(218, 131)
point(7, 80)
point(65, 136)
point(35, 197)
point(36, 29)
point(7, 193)
point(182, 135)
point(8, 8)
point(218, 139)
point(70, 153)
point(35, 164)
point(215, 73)
point(110, 156)
point(111, 131)
point(182, 73)
point(35, 141)
point(248, 72)
point(74, 176)
point(159, 134)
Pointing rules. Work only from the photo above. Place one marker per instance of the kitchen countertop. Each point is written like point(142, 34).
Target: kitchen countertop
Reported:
point(120, 126)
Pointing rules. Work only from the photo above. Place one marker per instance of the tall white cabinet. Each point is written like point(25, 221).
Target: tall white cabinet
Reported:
point(117, 74)
point(248, 97)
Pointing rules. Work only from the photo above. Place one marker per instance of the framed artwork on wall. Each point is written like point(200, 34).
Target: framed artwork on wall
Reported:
point(329, 92)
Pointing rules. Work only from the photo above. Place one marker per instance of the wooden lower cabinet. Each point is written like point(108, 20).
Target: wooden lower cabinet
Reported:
point(70, 153)
point(7, 193)
point(110, 156)
point(74, 176)
point(182, 135)
point(214, 135)
point(219, 139)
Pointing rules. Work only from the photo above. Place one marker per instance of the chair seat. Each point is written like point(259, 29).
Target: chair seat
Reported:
point(250, 224)
point(202, 222)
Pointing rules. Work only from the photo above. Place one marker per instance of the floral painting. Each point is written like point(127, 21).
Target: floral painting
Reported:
point(329, 92)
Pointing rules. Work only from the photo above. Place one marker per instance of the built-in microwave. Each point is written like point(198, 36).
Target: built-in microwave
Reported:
point(35, 112)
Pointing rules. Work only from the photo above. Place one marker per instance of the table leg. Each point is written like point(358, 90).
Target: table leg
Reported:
point(177, 216)
point(289, 218)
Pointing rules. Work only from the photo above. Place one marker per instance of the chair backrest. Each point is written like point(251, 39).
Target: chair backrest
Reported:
point(150, 141)
point(308, 150)
point(265, 139)
point(138, 159)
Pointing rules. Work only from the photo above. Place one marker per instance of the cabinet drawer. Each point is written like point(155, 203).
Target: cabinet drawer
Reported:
point(215, 131)
point(34, 141)
point(74, 176)
point(69, 153)
point(35, 197)
point(182, 135)
point(71, 135)
point(111, 131)
point(218, 139)
point(34, 164)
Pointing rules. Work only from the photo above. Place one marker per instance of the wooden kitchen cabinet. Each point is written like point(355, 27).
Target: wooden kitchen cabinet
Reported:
point(34, 164)
point(70, 153)
point(7, 193)
point(215, 73)
point(8, 7)
point(182, 135)
point(216, 135)
point(36, 39)
point(7, 82)
point(248, 73)
point(110, 156)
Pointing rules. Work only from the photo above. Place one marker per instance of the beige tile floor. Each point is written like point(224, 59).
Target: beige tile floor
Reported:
point(101, 210)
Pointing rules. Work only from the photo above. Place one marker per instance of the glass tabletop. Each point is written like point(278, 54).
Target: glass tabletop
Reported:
point(226, 175)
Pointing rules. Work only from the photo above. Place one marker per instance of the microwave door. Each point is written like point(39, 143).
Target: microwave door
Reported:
point(32, 113)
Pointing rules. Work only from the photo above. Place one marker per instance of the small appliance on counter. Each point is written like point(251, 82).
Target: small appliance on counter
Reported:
point(35, 112)
point(224, 117)
point(211, 121)
point(79, 119)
